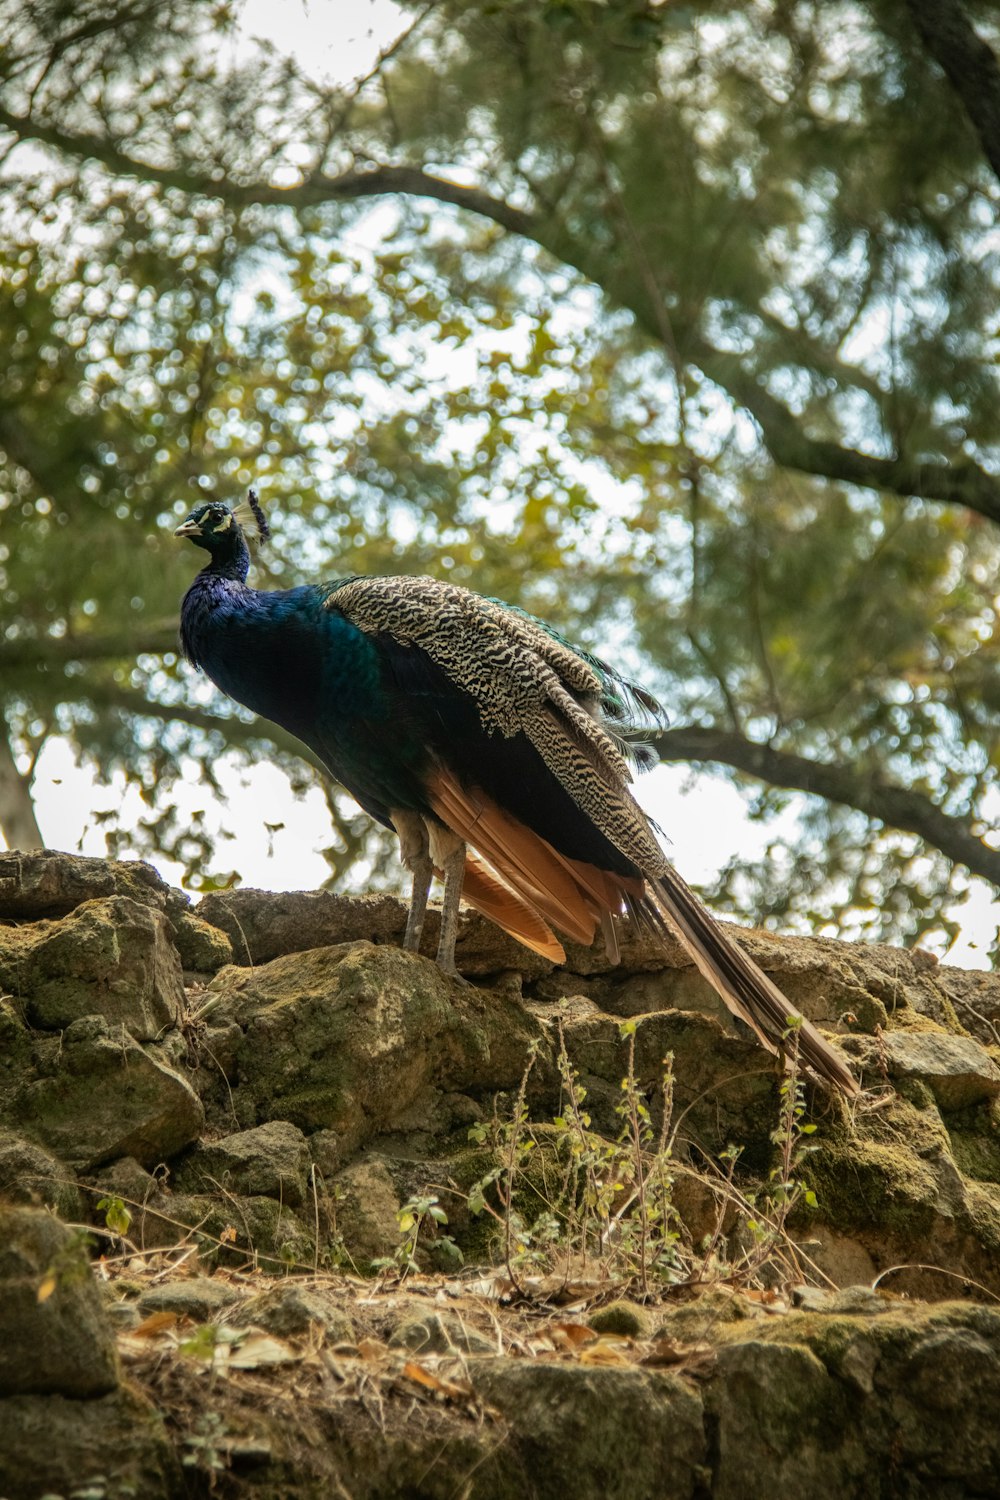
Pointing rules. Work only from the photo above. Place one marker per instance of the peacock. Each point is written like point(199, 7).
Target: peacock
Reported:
point(499, 753)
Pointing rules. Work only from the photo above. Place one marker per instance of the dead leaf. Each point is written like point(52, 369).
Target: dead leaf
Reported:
point(670, 1353)
point(570, 1336)
point(260, 1349)
point(560, 1291)
point(492, 1288)
point(767, 1298)
point(373, 1349)
point(605, 1352)
point(47, 1286)
point(156, 1323)
point(449, 1389)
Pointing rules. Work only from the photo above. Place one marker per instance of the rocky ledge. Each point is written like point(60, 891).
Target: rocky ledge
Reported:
point(285, 1212)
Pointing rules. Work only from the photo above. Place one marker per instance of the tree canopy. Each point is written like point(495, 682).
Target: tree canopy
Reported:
point(676, 324)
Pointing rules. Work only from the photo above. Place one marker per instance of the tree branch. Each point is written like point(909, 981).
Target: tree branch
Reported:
point(970, 65)
point(964, 484)
point(56, 651)
point(315, 190)
point(897, 806)
point(235, 730)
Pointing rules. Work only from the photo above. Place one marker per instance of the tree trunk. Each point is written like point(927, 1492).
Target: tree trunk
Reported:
point(17, 813)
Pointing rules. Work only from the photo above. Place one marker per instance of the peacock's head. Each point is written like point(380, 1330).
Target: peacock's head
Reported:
point(218, 528)
point(211, 526)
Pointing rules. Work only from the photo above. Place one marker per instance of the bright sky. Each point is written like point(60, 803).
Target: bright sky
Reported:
point(705, 818)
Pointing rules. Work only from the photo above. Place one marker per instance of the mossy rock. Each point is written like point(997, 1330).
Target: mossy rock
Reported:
point(116, 1447)
point(260, 1232)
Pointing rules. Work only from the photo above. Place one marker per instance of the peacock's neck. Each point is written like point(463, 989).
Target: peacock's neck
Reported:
point(232, 563)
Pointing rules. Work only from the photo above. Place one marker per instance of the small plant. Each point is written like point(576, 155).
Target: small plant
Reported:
point(411, 1218)
point(606, 1207)
point(784, 1189)
point(611, 1205)
point(117, 1217)
point(202, 1343)
point(206, 1445)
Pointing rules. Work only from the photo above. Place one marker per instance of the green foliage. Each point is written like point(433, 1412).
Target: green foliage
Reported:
point(572, 1201)
point(569, 1199)
point(205, 1444)
point(117, 1216)
point(412, 1218)
point(728, 409)
point(785, 1190)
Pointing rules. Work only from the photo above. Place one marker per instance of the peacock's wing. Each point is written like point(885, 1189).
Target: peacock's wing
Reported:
point(525, 683)
point(526, 686)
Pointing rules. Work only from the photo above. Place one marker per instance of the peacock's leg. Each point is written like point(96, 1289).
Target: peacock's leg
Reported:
point(415, 853)
point(448, 855)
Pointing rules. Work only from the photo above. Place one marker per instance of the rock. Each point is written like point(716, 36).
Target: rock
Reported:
point(893, 1190)
point(49, 883)
point(626, 1319)
point(726, 1084)
point(360, 1039)
point(976, 1001)
point(113, 957)
point(270, 1160)
point(203, 949)
point(290, 1310)
point(595, 1433)
point(439, 1333)
point(367, 1208)
point(327, 1153)
point(196, 1297)
point(703, 1316)
point(257, 1233)
point(849, 1299)
point(29, 1174)
point(263, 926)
point(945, 1401)
point(929, 1381)
point(116, 1448)
point(840, 1257)
point(956, 1069)
point(61, 1344)
point(776, 1411)
point(99, 1095)
point(126, 1179)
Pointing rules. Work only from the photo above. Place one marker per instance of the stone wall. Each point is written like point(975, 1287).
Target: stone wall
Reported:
point(265, 1082)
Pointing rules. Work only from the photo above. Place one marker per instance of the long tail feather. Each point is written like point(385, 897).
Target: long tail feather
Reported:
point(743, 986)
point(574, 897)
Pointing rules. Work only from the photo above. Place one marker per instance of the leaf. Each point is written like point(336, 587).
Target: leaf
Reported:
point(693, 1359)
point(373, 1349)
point(259, 1349)
point(570, 1335)
point(47, 1286)
point(438, 1386)
point(606, 1351)
point(155, 1324)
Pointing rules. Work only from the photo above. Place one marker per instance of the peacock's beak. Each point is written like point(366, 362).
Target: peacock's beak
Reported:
point(190, 527)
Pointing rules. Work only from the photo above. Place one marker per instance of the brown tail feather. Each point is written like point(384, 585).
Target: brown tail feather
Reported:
point(574, 896)
point(744, 987)
point(495, 899)
point(524, 860)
